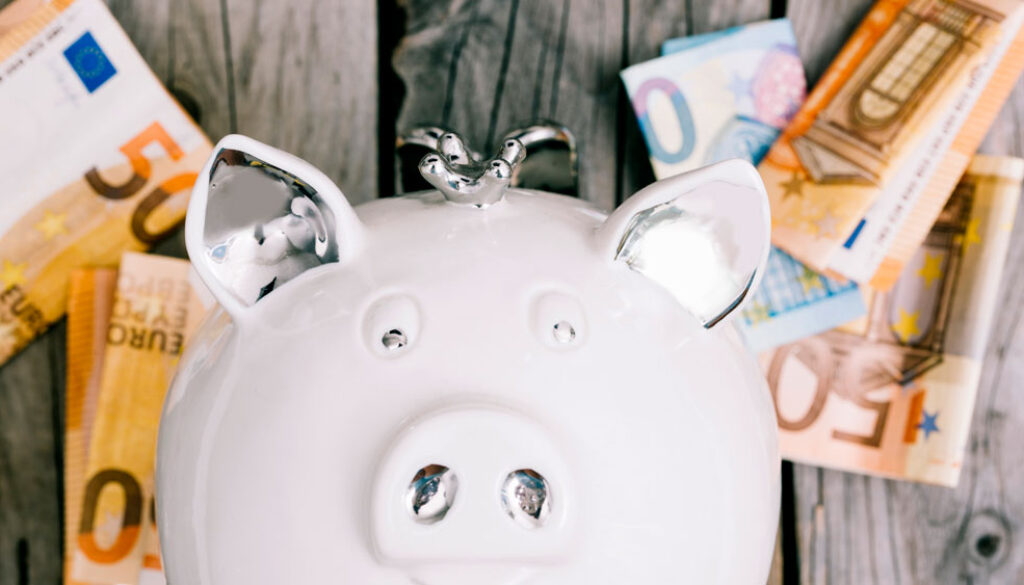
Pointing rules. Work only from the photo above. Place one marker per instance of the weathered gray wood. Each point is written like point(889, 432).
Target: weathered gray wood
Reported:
point(483, 67)
point(821, 29)
point(305, 80)
point(712, 16)
point(183, 42)
point(854, 529)
point(301, 76)
point(31, 406)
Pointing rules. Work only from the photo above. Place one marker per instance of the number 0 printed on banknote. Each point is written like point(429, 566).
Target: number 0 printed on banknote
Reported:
point(725, 95)
point(95, 156)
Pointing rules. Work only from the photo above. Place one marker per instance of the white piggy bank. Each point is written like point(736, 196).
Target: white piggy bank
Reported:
point(477, 385)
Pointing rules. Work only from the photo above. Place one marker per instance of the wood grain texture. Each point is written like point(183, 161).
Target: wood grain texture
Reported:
point(482, 67)
point(712, 16)
point(822, 28)
point(31, 407)
point(301, 75)
point(305, 80)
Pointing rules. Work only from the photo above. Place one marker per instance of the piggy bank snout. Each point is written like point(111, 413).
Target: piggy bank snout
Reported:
point(472, 485)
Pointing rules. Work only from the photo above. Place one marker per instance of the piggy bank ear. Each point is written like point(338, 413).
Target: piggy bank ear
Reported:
point(260, 217)
point(702, 235)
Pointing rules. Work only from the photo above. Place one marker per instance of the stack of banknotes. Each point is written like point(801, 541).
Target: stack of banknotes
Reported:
point(889, 233)
point(96, 159)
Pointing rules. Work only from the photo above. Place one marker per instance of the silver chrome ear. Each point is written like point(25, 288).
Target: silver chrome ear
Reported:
point(703, 236)
point(264, 226)
point(259, 217)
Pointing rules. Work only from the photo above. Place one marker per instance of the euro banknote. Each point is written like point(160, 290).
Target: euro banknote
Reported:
point(892, 394)
point(865, 167)
point(718, 96)
point(95, 156)
point(90, 300)
point(155, 308)
point(728, 94)
point(998, 77)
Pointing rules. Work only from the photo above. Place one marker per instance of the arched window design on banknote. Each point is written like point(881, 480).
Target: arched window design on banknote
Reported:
point(904, 75)
point(928, 42)
point(904, 334)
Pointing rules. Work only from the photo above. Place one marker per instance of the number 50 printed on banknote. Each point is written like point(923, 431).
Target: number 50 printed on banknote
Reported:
point(893, 394)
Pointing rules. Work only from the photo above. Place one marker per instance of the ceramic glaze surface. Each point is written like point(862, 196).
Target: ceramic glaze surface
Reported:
point(420, 390)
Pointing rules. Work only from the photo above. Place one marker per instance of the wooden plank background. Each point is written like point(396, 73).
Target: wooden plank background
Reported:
point(336, 82)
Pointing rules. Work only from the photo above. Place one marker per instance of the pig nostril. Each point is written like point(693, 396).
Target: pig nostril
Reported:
point(525, 498)
point(431, 493)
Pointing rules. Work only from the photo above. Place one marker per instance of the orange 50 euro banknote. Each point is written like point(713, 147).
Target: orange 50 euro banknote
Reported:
point(863, 170)
point(892, 394)
point(96, 158)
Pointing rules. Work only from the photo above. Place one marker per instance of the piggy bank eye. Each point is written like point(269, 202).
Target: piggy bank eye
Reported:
point(391, 325)
point(558, 321)
point(394, 339)
point(564, 332)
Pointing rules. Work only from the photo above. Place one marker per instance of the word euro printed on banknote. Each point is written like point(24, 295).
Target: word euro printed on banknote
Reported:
point(95, 156)
point(155, 308)
point(893, 394)
point(864, 168)
point(725, 95)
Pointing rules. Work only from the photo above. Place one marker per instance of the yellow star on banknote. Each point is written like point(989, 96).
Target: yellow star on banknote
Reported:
point(932, 269)
point(52, 224)
point(972, 236)
point(906, 327)
point(827, 225)
point(757, 312)
point(809, 279)
point(794, 186)
point(13, 274)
